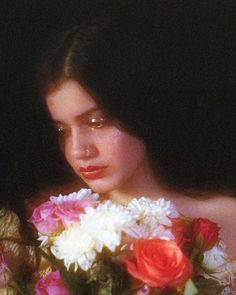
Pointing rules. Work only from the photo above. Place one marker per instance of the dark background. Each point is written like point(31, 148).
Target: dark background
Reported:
point(28, 156)
point(29, 159)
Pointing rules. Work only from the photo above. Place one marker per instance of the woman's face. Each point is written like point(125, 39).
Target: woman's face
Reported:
point(104, 156)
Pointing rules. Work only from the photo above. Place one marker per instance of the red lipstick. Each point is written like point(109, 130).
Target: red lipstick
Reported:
point(92, 172)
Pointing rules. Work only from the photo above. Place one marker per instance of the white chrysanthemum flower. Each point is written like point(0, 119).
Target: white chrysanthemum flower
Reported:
point(145, 208)
point(142, 231)
point(219, 268)
point(99, 227)
point(153, 216)
point(106, 223)
point(215, 257)
point(103, 227)
point(82, 194)
point(75, 246)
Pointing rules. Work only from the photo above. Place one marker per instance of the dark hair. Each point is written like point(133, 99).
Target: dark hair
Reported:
point(168, 78)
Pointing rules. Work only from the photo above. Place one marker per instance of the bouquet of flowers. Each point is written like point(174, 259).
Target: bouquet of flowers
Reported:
point(99, 247)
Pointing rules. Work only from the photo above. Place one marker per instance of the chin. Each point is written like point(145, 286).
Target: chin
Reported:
point(102, 187)
point(106, 184)
point(99, 190)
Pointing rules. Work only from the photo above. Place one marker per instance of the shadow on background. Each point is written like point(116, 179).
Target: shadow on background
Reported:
point(30, 160)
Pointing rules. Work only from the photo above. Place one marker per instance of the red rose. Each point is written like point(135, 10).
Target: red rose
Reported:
point(159, 263)
point(181, 229)
point(205, 232)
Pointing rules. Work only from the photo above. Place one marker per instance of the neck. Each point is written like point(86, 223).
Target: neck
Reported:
point(148, 186)
point(144, 183)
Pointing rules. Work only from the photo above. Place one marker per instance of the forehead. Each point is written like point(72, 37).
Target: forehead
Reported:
point(69, 98)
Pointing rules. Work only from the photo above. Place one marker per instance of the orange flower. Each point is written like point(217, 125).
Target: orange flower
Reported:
point(205, 232)
point(159, 263)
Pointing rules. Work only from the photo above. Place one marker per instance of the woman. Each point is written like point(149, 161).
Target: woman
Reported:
point(143, 106)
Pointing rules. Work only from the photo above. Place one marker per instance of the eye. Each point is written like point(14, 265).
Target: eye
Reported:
point(60, 129)
point(96, 123)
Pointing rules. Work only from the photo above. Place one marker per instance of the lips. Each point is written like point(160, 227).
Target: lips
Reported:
point(92, 172)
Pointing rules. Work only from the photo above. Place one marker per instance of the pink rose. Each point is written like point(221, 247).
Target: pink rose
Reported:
point(4, 273)
point(57, 213)
point(51, 284)
point(45, 219)
point(69, 212)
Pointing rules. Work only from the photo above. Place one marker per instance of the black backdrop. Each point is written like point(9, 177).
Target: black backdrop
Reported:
point(29, 159)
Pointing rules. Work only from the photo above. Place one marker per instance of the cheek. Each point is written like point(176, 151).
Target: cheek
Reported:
point(66, 151)
point(123, 148)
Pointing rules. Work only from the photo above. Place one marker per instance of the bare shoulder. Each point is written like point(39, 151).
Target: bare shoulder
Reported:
point(223, 211)
point(225, 206)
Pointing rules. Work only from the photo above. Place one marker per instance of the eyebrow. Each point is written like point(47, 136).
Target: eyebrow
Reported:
point(88, 112)
point(81, 116)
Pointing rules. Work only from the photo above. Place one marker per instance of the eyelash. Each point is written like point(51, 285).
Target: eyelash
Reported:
point(93, 123)
point(60, 129)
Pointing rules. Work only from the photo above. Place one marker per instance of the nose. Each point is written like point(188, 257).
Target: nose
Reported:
point(82, 145)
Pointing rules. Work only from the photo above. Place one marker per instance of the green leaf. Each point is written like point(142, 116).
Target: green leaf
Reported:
point(190, 288)
point(199, 241)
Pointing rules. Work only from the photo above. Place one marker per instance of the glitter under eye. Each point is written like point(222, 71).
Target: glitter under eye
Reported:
point(95, 123)
point(60, 129)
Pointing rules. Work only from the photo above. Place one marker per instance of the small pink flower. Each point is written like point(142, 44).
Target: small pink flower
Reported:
point(61, 211)
point(51, 284)
point(4, 276)
point(69, 212)
point(45, 219)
